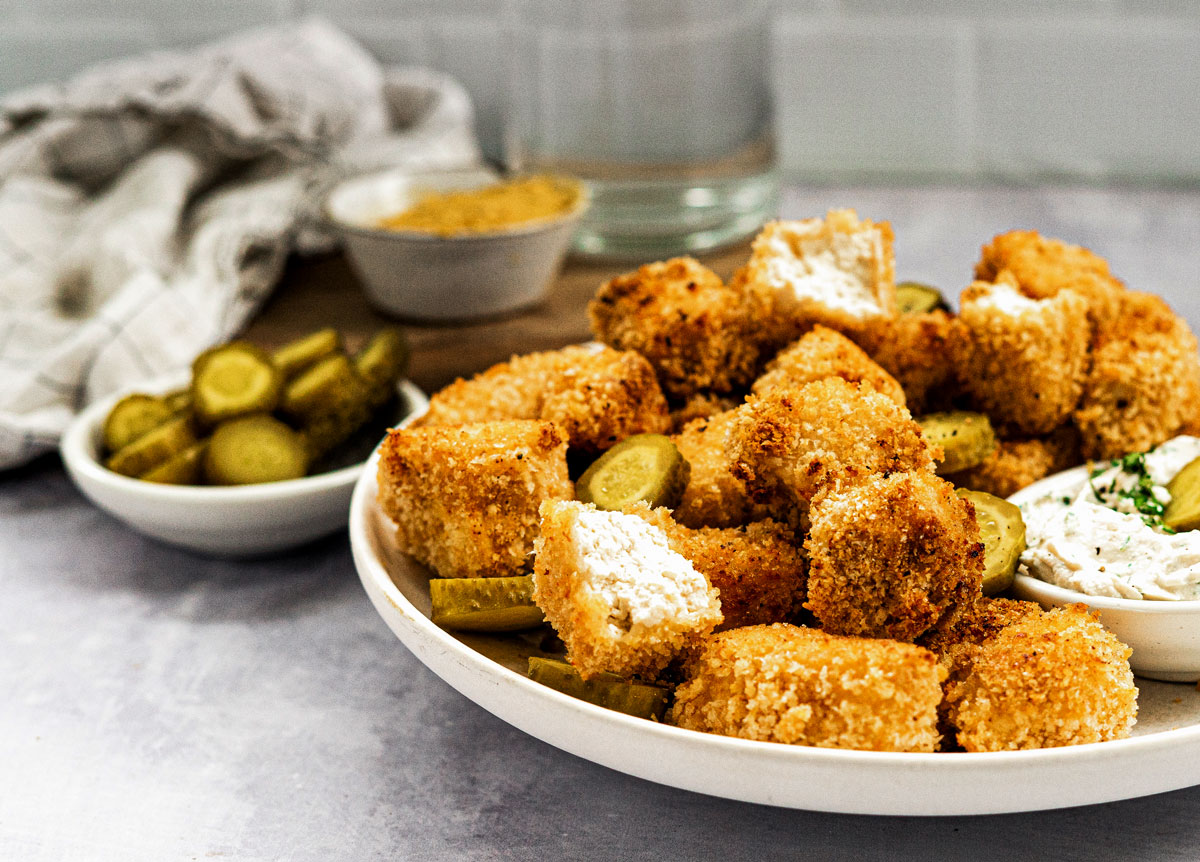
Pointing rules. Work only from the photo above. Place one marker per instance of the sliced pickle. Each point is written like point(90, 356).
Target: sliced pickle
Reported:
point(1183, 512)
point(644, 467)
point(912, 297)
point(324, 388)
point(967, 439)
point(485, 604)
point(1002, 530)
point(382, 362)
point(184, 468)
point(133, 416)
point(153, 448)
point(607, 689)
point(295, 356)
point(179, 400)
point(234, 379)
point(253, 449)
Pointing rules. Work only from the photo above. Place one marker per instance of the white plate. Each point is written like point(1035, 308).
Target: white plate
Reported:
point(1164, 753)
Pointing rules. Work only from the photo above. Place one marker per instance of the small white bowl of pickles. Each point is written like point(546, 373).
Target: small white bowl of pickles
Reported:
point(249, 454)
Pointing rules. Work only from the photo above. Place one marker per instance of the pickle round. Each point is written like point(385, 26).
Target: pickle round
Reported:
point(1002, 530)
point(254, 449)
point(644, 467)
point(153, 448)
point(382, 362)
point(132, 417)
point(484, 604)
point(606, 690)
point(966, 438)
point(1183, 512)
point(183, 468)
point(295, 356)
point(234, 379)
point(912, 297)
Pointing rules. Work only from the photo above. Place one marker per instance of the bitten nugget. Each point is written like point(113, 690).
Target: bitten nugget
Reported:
point(892, 557)
point(758, 569)
point(1049, 679)
point(838, 271)
point(465, 500)
point(922, 352)
point(783, 683)
point(598, 395)
point(823, 353)
point(1014, 464)
point(617, 594)
point(1144, 383)
point(714, 497)
point(789, 445)
point(1027, 358)
point(696, 332)
point(1042, 267)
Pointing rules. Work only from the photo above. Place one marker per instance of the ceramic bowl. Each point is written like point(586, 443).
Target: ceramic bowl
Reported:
point(240, 521)
point(1164, 635)
point(423, 276)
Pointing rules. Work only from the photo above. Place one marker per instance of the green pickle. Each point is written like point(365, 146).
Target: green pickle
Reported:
point(179, 400)
point(1002, 530)
point(295, 356)
point(235, 379)
point(183, 468)
point(484, 604)
point(382, 362)
point(153, 448)
point(330, 401)
point(645, 467)
point(606, 690)
point(1183, 512)
point(967, 439)
point(253, 449)
point(132, 417)
point(915, 298)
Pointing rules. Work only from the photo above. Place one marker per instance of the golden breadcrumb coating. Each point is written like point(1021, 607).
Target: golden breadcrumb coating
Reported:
point(1027, 359)
point(1043, 266)
point(696, 332)
point(1014, 464)
point(838, 271)
point(598, 395)
point(892, 557)
point(702, 405)
point(714, 497)
point(637, 632)
point(978, 623)
point(784, 683)
point(789, 445)
point(922, 352)
point(465, 499)
point(1044, 680)
point(758, 569)
point(822, 353)
point(1144, 384)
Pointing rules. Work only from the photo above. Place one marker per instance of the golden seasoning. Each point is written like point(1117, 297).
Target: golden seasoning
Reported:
point(489, 208)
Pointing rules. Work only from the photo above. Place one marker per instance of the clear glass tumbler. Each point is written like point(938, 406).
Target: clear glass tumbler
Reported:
point(662, 107)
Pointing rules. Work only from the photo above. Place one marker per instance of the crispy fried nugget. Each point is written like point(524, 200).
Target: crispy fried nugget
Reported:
point(617, 594)
point(758, 569)
point(922, 352)
point(1014, 464)
point(1042, 267)
point(1043, 680)
point(822, 353)
point(465, 499)
point(702, 405)
point(789, 445)
point(838, 271)
point(783, 683)
point(714, 497)
point(696, 332)
point(598, 395)
point(1144, 384)
point(892, 556)
point(1027, 358)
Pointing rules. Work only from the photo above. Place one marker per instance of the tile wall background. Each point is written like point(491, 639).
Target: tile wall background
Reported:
point(907, 89)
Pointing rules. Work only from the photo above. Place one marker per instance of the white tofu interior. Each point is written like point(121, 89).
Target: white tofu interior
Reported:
point(837, 271)
point(1006, 299)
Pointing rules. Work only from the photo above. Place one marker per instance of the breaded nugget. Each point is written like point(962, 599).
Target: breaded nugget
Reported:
point(702, 405)
point(1027, 358)
point(789, 445)
point(696, 332)
point(838, 271)
point(714, 497)
point(981, 622)
point(758, 569)
point(784, 683)
point(598, 395)
point(1014, 464)
point(1144, 383)
point(465, 499)
point(1042, 267)
point(923, 353)
point(1045, 680)
point(892, 557)
point(821, 353)
point(617, 594)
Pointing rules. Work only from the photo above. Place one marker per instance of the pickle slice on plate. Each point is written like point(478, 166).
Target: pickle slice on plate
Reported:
point(253, 449)
point(295, 356)
point(382, 362)
point(646, 467)
point(484, 604)
point(912, 297)
point(607, 690)
point(966, 438)
point(1183, 512)
point(153, 447)
point(234, 379)
point(1002, 530)
point(133, 416)
point(183, 468)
